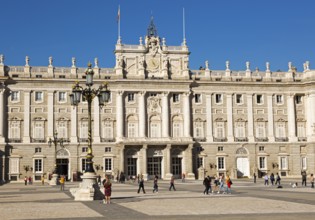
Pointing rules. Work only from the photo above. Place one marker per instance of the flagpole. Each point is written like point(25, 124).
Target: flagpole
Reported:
point(184, 31)
point(118, 17)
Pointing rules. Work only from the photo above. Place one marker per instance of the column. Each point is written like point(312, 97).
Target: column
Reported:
point(291, 118)
point(50, 114)
point(250, 118)
point(27, 100)
point(3, 168)
point(186, 111)
point(167, 162)
point(96, 135)
point(141, 112)
point(229, 108)
point(209, 117)
point(310, 122)
point(144, 162)
point(271, 136)
point(119, 115)
point(122, 158)
point(188, 165)
point(74, 124)
point(2, 109)
point(165, 115)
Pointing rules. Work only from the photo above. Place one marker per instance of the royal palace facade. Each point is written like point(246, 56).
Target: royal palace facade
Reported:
point(162, 118)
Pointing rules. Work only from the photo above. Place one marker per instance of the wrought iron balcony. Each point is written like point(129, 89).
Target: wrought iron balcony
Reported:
point(224, 139)
point(302, 138)
point(38, 140)
point(15, 140)
point(85, 140)
point(261, 139)
point(281, 139)
point(107, 139)
point(200, 139)
point(240, 139)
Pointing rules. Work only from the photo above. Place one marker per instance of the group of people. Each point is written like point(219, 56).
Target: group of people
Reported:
point(219, 185)
point(274, 180)
point(304, 179)
point(28, 180)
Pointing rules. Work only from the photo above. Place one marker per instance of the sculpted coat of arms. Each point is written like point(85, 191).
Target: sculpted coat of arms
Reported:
point(154, 105)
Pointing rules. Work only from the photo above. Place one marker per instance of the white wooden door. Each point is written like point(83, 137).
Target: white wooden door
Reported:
point(242, 166)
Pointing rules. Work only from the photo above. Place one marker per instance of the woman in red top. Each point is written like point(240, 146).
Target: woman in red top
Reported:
point(107, 190)
point(228, 184)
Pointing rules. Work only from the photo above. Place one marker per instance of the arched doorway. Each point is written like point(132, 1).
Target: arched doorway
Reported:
point(62, 162)
point(242, 163)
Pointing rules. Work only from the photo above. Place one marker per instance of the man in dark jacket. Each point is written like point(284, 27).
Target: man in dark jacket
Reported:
point(206, 183)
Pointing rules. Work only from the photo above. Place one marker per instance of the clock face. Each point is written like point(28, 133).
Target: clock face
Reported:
point(153, 64)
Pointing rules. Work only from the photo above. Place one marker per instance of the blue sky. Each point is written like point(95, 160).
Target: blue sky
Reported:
point(258, 31)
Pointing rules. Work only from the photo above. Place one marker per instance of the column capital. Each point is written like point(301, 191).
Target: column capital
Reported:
point(165, 93)
point(120, 92)
point(186, 93)
point(142, 93)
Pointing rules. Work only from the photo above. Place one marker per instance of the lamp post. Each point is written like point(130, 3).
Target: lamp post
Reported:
point(55, 141)
point(89, 93)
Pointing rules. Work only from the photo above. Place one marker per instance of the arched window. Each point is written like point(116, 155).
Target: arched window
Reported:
point(155, 126)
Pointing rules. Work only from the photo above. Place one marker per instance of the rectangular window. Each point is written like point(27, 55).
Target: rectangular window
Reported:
point(259, 99)
point(279, 99)
point(84, 130)
point(39, 130)
point(303, 163)
point(62, 97)
point(15, 96)
point(38, 150)
point(218, 98)
point(176, 130)
point(221, 165)
point(62, 129)
point(108, 130)
point(131, 130)
point(199, 162)
point(260, 130)
point(38, 165)
point(155, 129)
point(14, 132)
point(197, 98)
point(153, 94)
point(199, 129)
point(175, 98)
point(239, 98)
point(84, 149)
point(262, 162)
point(83, 164)
point(301, 130)
point(14, 165)
point(261, 148)
point(108, 149)
point(108, 164)
point(298, 99)
point(220, 148)
point(131, 97)
point(280, 131)
point(220, 130)
point(38, 96)
point(240, 130)
point(283, 163)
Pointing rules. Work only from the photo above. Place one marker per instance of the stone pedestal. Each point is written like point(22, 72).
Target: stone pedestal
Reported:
point(54, 180)
point(88, 190)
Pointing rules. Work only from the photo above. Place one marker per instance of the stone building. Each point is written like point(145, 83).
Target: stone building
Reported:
point(163, 118)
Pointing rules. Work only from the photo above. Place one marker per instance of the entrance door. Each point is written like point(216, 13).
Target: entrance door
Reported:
point(242, 167)
point(177, 167)
point(131, 166)
point(154, 166)
point(62, 167)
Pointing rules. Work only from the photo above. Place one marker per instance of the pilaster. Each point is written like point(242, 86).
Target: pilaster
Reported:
point(291, 118)
point(122, 158)
point(167, 163)
point(27, 100)
point(144, 162)
point(2, 109)
point(119, 115)
point(250, 118)
point(165, 115)
point(310, 122)
point(50, 114)
point(209, 118)
point(229, 107)
point(186, 110)
point(141, 112)
point(96, 116)
point(271, 136)
point(188, 163)
point(74, 137)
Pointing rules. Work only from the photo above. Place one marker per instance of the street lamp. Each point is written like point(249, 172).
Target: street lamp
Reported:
point(55, 141)
point(89, 94)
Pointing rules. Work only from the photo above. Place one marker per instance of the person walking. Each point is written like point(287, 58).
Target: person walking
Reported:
point(255, 177)
point(29, 180)
point(107, 190)
point(141, 185)
point(155, 184)
point(312, 180)
point(228, 182)
point(221, 181)
point(183, 177)
point(172, 184)
point(62, 183)
point(43, 180)
point(216, 184)
point(278, 179)
point(266, 178)
point(272, 178)
point(25, 180)
point(206, 183)
point(303, 173)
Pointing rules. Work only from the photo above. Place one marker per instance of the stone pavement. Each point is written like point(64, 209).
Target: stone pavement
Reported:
point(248, 200)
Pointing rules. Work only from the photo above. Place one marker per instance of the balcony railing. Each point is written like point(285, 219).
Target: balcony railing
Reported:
point(15, 140)
point(38, 140)
point(281, 139)
point(261, 139)
point(302, 138)
point(220, 139)
point(200, 139)
point(83, 140)
point(107, 139)
point(240, 139)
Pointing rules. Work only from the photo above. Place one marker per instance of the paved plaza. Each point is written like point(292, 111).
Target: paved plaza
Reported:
point(248, 200)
